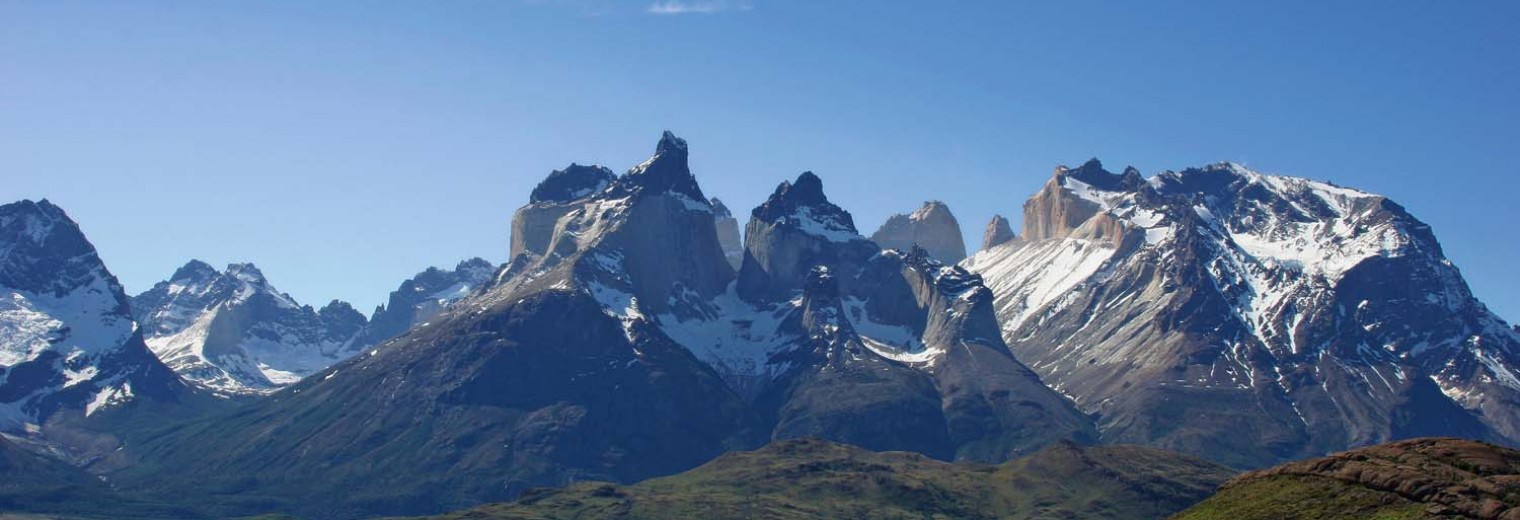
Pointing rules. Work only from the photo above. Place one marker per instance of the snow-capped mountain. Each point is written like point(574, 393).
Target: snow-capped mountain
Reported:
point(931, 227)
point(618, 343)
point(1248, 317)
point(232, 332)
point(67, 340)
point(421, 298)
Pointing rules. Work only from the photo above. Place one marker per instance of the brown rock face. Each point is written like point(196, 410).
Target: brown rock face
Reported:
point(998, 233)
point(1055, 211)
point(931, 227)
point(1454, 477)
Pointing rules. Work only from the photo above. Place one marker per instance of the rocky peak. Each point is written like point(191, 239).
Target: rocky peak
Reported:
point(247, 272)
point(30, 221)
point(194, 272)
point(232, 332)
point(43, 251)
point(341, 310)
point(931, 227)
point(803, 202)
point(666, 171)
point(795, 229)
point(1093, 174)
point(573, 182)
point(806, 191)
point(999, 232)
point(69, 340)
point(421, 297)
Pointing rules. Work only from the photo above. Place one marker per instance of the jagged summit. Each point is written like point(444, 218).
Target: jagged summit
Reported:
point(573, 182)
point(232, 332)
point(247, 272)
point(802, 204)
point(421, 298)
point(806, 191)
point(1093, 174)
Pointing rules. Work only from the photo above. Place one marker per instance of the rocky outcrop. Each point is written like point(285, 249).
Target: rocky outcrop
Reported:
point(68, 345)
point(232, 332)
point(1248, 318)
point(728, 234)
point(1442, 477)
point(998, 232)
point(931, 227)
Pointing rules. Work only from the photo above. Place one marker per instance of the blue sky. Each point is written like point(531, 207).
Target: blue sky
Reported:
point(344, 146)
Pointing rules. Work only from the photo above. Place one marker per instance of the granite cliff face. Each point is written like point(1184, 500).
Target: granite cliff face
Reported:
point(931, 227)
point(1246, 317)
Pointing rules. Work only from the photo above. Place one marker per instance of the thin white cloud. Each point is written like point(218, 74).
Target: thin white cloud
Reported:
point(698, 6)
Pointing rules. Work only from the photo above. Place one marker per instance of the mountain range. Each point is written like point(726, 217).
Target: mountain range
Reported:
point(635, 333)
point(1248, 318)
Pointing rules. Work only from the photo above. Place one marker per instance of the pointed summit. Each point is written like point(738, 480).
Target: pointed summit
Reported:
point(670, 143)
point(194, 271)
point(999, 232)
point(666, 170)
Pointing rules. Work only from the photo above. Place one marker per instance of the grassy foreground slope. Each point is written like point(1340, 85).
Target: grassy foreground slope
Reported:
point(1414, 479)
point(42, 485)
point(812, 479)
